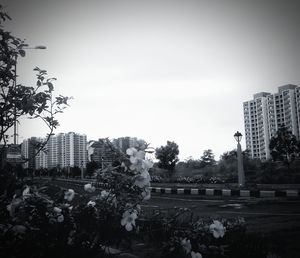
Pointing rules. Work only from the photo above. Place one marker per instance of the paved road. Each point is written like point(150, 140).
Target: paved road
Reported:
point(278, 220)
point(260, 214)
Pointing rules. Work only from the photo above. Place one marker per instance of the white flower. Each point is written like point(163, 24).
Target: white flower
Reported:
point(136, 157)
point(26, 192)
point(15, 203)
point(131, 151)
point(60, 218)
point(57, 210)
point(128, 220)
point(69, 195)
point(186, 245)
point(142, 180)
point(217, 229)
point(109, 197)
point(146, 194)
point(89, 188)
point(104, 194)
point(147, 164)
point(91, 203)
point(196, 255)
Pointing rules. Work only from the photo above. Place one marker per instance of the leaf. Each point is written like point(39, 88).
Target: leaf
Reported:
point(23, 45)
point(38, 83)
point(50, 85)
point(22, 52)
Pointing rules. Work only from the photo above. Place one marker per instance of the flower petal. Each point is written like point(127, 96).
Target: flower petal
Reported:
point(128, 227)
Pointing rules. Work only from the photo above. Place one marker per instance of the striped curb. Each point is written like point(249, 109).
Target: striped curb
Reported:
point(203, 192)
point(228, 192)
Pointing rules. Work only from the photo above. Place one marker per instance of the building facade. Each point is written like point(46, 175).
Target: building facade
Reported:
point(266, 113)
point(62, 150)
point(123, 143)
point(41, 160)
point(67, 150)
point(28, 151)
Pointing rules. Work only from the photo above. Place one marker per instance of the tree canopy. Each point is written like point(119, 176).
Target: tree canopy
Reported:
point(208, 158)
point(284, 146)
point(167, 155)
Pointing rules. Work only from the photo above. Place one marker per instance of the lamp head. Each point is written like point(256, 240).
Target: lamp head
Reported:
point(238, 136)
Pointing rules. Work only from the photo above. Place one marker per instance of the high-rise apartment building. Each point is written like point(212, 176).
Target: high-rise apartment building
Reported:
point(67, 150)
point(266, 113)
point(123, 143)
point(28, 151)
point(41, 160)
point(62, 150)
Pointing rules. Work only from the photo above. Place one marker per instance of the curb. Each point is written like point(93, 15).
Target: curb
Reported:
point(228, 192)
point(203, 192)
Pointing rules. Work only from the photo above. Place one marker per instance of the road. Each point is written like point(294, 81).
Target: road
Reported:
point(278, 220)
point(265, 215)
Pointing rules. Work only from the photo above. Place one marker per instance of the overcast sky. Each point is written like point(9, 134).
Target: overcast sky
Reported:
point(158, 70)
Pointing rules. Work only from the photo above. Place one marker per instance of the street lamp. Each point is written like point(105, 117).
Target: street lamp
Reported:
point(82, 175)
point(241, 174)
point(15, 82)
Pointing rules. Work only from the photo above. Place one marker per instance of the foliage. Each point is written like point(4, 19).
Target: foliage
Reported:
point(71, 224)
point(180, 234)
point(208, 158)
point(167, 155)
point(91, 168)
point(193, 163)
point(284, 146)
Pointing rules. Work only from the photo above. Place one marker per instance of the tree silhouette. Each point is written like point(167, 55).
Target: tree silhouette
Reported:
point(284, 146)
point(208, 158)
point(167, 155)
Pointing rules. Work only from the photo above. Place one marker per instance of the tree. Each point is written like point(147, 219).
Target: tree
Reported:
point(192, 163)
point(284, 146)
point(167, 155)
point(17, 100)
point(208, 158)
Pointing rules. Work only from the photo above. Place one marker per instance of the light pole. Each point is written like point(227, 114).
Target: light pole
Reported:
point(241, 174)
point(82, 176)
point(150, 150)
point(15, 86)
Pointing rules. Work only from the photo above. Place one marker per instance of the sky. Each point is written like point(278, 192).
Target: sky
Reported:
point(175, 70)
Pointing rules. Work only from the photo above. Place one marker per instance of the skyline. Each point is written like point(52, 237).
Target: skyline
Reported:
point(171, 70)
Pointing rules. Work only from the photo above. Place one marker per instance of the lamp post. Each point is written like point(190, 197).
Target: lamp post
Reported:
point(150, 151)
point(15, 86)
point(82, 175)
point(241, 174)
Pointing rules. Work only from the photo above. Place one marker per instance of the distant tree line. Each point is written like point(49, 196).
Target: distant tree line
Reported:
point(284, 165)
